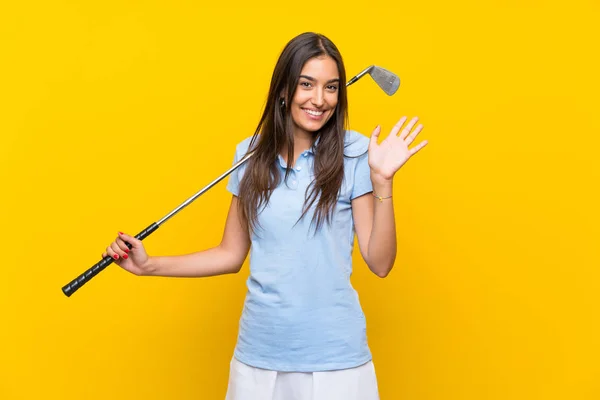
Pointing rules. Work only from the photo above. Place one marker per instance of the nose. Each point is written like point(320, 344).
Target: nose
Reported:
point(318, 98)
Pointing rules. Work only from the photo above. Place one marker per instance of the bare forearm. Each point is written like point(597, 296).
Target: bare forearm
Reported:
point(211, 262)
point(382, 243)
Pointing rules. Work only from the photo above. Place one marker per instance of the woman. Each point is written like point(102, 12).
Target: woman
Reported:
point(297, 203)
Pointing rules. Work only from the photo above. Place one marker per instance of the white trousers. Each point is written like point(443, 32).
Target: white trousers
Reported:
point(250, 383)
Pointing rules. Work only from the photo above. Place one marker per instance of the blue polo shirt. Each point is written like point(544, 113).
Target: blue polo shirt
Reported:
point(301, 312)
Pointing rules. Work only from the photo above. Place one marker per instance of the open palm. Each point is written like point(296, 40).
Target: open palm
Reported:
point(386, 158)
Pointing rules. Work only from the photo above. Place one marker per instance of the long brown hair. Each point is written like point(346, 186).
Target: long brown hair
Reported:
point(275, 129)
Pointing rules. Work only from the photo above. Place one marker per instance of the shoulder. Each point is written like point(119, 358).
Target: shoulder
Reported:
point(244, 144)
point(242, 147)
point(355, 144)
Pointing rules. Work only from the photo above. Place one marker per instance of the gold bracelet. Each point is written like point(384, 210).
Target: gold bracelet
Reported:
point(381, 198)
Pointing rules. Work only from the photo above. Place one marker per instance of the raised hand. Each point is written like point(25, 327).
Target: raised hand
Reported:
point(386, 158)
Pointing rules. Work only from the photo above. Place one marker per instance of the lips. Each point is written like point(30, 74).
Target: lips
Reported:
point(313, 114)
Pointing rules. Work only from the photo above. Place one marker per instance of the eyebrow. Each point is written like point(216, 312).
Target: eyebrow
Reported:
point(310, 78)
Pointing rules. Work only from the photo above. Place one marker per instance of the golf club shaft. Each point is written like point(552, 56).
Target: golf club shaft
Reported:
point(85, 277)
point(360, 75)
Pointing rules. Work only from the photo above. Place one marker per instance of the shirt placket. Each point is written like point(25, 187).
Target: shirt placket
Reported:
point(298, 171)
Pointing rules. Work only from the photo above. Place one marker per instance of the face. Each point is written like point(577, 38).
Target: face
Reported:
point(316, 95)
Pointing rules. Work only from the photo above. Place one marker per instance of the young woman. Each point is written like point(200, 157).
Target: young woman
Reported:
point(297, 204)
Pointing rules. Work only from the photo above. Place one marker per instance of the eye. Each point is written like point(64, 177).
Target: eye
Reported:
point(305, 84)
point(333, 88)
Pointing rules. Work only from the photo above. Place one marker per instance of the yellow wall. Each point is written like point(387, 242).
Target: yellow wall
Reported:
point(114, 112)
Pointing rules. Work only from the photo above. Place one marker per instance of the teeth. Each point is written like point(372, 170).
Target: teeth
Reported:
point(315, 113)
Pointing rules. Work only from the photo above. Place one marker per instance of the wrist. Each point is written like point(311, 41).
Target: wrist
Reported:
point(149, 267)
point(381, 186)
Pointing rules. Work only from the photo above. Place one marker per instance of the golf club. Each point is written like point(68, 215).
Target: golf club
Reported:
point(386, 80)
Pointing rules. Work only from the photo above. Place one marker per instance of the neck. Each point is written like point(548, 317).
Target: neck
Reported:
point(302, 141)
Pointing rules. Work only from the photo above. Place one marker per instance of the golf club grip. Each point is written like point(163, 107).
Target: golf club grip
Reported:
point(82, 279)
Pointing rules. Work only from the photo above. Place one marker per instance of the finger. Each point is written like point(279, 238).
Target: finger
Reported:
point(413, 135)
point(135, 244)
point(418, 147)
point(408, 127)
point(112, 254)
point(375, 135)
point(397, 127)
point(117, 250)
point(122, 244)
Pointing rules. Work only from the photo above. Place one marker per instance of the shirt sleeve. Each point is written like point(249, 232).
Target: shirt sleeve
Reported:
point(362, 177)
point(233, 185)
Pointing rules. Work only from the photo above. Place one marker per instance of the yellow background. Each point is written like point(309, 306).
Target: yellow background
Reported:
point(112, 113)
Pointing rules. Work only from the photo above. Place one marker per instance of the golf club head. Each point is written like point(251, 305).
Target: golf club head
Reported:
point(387, 81)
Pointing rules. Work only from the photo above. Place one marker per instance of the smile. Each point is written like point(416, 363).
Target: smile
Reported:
point(313, 112)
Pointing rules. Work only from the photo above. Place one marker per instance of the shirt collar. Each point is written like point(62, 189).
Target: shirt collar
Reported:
point(311, 150)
